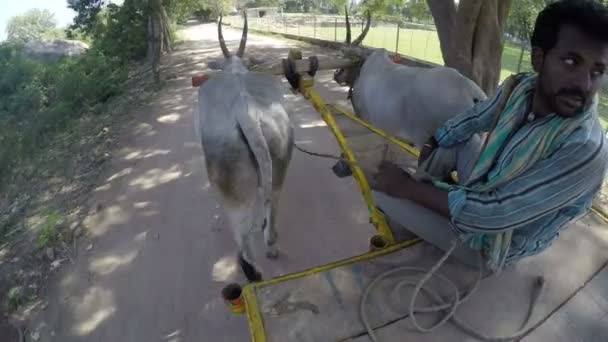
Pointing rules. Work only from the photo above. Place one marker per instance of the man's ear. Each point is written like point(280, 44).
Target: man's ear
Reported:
point(214, 65)
point(538, 58)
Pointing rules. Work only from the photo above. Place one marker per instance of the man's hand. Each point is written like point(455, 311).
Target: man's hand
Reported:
point(391, 179)
point(427, 149)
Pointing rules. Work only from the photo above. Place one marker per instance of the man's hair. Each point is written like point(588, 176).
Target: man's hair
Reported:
point(589, 16)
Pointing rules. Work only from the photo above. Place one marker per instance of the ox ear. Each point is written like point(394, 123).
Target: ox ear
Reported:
point(214, 65)
point(256, 62)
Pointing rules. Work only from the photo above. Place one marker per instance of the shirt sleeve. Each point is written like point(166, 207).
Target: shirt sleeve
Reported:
point(569, 174)
point(478, 118)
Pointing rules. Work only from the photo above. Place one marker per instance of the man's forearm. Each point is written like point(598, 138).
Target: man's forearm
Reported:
point(428, 196)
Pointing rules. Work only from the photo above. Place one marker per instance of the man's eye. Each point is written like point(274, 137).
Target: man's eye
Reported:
point(597, 73)
point(569, 61)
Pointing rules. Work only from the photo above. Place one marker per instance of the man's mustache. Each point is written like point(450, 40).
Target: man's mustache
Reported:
point(572, 92)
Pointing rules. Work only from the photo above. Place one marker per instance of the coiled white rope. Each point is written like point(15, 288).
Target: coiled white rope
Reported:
point(441, 305)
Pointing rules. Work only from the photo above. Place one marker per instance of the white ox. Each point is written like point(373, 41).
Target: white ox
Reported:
point(247, 139)
point(406, 101)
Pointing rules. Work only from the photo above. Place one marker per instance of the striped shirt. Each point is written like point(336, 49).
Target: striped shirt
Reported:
point(539, 203)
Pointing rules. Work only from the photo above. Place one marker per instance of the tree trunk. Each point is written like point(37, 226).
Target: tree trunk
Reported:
point(166, 30)
point(521, 57)
point(154, 44)
point(471, 39)
point(159, 36)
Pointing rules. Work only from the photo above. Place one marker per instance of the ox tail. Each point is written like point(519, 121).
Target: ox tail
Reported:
point(249, 122)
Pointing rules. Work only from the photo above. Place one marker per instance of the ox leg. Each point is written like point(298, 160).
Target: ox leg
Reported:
point(242, 225)
point(246, 259)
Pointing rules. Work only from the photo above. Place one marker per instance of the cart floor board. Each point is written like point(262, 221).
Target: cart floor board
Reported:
point(325, 306)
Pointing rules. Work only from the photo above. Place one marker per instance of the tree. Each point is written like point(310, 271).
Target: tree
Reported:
point(521, 22)
point(86, 14)
point(339, 6)
point(416, 9)
point(148, 17)
point(471, 35)
point(34, 24)
point(181, 10)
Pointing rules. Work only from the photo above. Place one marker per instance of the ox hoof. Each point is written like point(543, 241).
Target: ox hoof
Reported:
point(272, 253)
point(251, 273)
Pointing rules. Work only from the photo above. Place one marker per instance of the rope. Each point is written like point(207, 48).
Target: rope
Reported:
point(442, 305)
point(330, 156)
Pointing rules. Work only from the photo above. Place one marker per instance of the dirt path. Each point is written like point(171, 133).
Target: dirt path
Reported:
point(160, 250)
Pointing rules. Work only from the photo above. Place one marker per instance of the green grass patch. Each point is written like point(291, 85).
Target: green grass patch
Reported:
point(49, 235)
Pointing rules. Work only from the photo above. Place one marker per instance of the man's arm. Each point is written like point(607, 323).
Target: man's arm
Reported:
point(553, 183)
point(478, 118)
point(395, 182)
point(549, 186)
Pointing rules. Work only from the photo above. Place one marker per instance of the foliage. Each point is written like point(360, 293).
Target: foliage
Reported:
point(86, 13)
point(182, 10)
point(49, 235)
point(263, 3)
point(120, 31)
point(522, 18)
point(416, 10)
point(217, 7)
point(37, 101)
point(16, 297)
point(34, 24)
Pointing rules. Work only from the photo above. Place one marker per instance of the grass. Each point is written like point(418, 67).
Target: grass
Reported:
point(49, 234)
point(417, 43)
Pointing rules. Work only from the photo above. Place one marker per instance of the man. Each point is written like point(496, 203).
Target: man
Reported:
point(544, 159)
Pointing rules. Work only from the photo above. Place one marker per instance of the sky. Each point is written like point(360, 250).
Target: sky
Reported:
point(11, 8)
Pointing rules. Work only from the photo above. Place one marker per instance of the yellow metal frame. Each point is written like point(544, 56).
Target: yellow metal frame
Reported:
point(254, 314)
point(377, 219)
point(407, 147)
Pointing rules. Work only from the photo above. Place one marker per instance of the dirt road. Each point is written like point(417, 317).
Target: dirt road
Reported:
point(160, 250)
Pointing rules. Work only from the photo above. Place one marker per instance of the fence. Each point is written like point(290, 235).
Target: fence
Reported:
point(410, 39)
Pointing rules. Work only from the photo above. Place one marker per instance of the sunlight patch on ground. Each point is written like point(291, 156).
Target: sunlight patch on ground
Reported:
point(175, 336)
point(95, 308)
point(68, 280)
point(141, 237)
point(314, 123)
point(141, 205)
point(109, 264)
point(101, 222)
point(67, 189)
point(146, 154)
point(155, 177)
point(224, 269)
point(169, 118)
point(144, 129)
point(120, 174)
point(104, 187)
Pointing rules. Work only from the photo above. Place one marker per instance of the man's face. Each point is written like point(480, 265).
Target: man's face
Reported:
point(570, 74)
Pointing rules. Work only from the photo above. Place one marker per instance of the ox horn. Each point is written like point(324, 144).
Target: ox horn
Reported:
point(220, 37)
point(347, 25)
point(359, 39)
point(243, 43)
